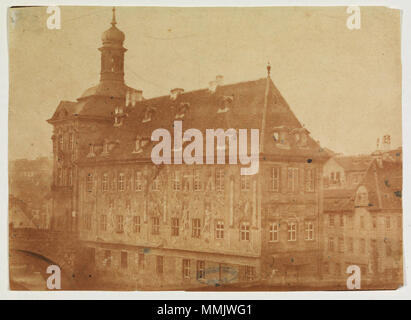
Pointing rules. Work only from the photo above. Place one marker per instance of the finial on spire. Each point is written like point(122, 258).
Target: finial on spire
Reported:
point(268, 69)
point(113, 21)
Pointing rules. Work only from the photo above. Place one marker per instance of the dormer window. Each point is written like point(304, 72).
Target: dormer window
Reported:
point(184, 106)
point(175, 93)
point(118, 116)
point(105, 148)
point(91, 153)
point(132, 96)
point(138, 147)
point(225, 104)
point(300, 136)
point(140, 143)
point(281, 137)
point(148, 113)
point(361, 198)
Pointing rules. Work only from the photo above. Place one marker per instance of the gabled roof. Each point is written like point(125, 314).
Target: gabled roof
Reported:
point(245, 100)
point(383, 181)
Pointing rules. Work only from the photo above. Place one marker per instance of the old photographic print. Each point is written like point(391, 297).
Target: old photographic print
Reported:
point(205, 149)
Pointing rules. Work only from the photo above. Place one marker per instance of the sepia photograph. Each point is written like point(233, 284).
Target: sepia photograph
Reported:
point(205, 148)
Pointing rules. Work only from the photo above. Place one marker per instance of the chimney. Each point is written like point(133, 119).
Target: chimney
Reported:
point(219, 79)
point(386, 143)
point(212, 86)
point(174, 93)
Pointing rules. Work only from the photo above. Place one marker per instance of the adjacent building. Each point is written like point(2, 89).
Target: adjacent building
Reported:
point(364, 222)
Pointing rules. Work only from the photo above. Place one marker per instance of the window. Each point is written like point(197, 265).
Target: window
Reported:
point(350, 244)
point(70, 177)
point(245, 231)
point(273, 232)
point(103, 222)
point(388, 223)
point(292, 182)
point(219, 229)
point(136, 224)
point(388, 249)
point(292, 231)
point(245, 182)
point(200, 269)
point(60, 177)
point(155, 185)
point(341, 220)
point(219, 179)
point(337, 269)
point(197, 180)
point(176, 181)
point(341, 244)
point(374, 222)
point(138, 182)
point(141, 261)
point(186, 268)
point(175, 227)
point(326, 268)
point(113, 183)
point(160, 264)
point(104, 182)
point(111, 203)
point(196, 228)
point(61, 142)
point(309, 180)
point(71, 142)
point(350, 221)
point(121, 182)
point(338, 177)
point(89, 182)
point(128, 205)
point(87, 221)
point(275, 179)
point(107, 258)
point(124, 260)
point(119, 224)
point(309, 230)
point(331, 244)
point(331, 220)
point(362, 222)
point(155, 225)
point(362, 245)
point(249, 273)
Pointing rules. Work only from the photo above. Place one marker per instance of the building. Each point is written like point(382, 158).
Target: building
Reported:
point(29, 183)
point(345, 172)
point(180, 225)
point(364, 227)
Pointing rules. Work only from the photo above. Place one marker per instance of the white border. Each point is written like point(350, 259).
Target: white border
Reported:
point(402, 293)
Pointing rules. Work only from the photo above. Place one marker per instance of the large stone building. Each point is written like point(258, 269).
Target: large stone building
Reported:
point(183, 225)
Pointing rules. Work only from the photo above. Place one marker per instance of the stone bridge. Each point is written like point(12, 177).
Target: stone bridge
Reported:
point(40, 248)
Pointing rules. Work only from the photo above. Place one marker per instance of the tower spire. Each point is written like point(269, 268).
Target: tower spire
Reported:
point(113, 20)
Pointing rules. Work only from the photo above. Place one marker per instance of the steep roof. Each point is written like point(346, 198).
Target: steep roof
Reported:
point(245, 100)
point(383, 181)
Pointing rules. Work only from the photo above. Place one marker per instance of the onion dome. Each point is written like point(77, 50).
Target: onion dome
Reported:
point(113, 35)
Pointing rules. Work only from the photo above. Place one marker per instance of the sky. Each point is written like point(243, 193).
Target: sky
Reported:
point(343, 85)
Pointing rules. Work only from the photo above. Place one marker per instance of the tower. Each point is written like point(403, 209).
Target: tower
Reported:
point(112, 55)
